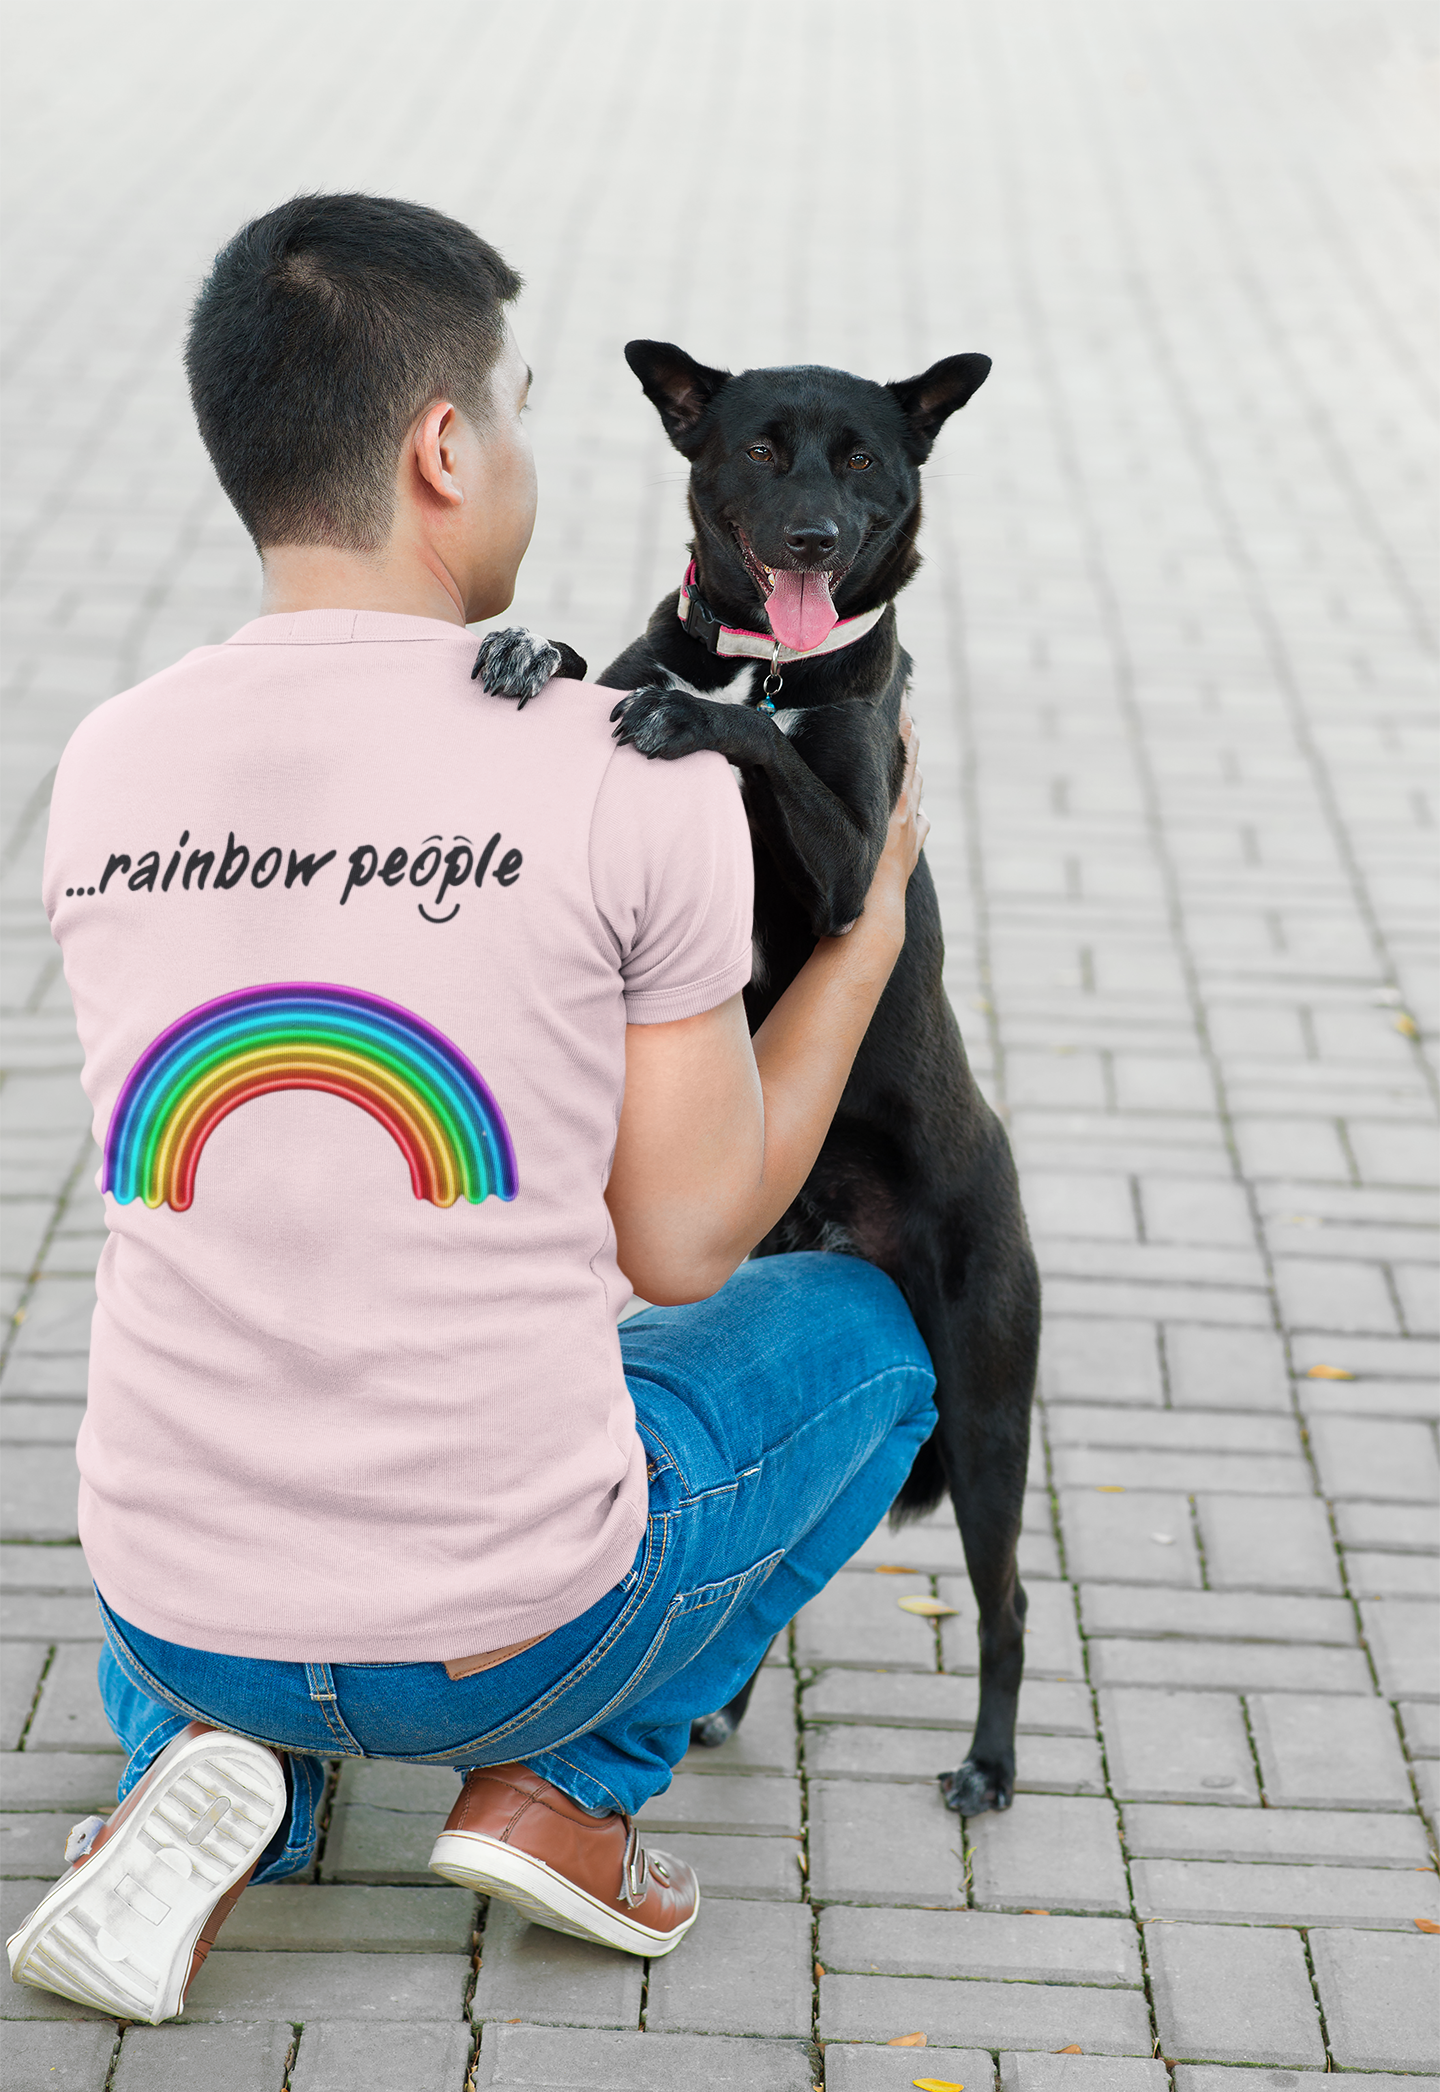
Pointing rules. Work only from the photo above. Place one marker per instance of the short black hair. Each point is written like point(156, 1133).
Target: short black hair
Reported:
point(322, 331)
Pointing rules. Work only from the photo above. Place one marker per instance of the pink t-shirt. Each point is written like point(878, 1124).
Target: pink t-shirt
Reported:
point(353, 948)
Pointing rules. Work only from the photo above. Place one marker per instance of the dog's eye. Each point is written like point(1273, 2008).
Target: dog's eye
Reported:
point(761, 453)
point(859, 461)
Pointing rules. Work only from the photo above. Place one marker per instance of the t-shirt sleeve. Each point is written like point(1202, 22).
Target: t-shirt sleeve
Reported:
point(673, 880)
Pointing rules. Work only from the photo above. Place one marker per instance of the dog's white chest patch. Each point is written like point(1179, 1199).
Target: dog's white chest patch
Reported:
point(788, 721)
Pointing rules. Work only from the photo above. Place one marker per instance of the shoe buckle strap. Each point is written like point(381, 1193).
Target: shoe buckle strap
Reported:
point(82, 1837)
point(632, 1871)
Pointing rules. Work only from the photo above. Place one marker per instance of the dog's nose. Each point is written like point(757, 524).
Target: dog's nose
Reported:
point(812, 542)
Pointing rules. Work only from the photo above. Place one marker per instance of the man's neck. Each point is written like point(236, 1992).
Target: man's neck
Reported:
point(322, 577)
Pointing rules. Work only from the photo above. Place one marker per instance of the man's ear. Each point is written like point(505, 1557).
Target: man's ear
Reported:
point(927, 402)
point(679, 388)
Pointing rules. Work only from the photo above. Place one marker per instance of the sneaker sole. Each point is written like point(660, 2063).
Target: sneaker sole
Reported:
point(119, 1932)
point(545, 1897)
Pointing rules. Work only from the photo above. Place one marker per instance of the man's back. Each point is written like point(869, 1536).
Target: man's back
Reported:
point(353, 949)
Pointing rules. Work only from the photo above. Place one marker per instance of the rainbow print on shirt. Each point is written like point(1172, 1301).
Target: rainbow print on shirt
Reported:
point(307, 1035)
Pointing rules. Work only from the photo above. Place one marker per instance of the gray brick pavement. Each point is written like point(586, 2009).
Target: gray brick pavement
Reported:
point(1173, 663)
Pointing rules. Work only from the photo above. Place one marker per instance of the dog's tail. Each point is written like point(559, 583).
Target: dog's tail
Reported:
point(923, 1487)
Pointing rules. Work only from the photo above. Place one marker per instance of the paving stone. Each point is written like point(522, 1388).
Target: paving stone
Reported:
point(1081, 2074)
point(69, 1716)
point(1311, 1837)
point(926, 1548)
point(1056, 1853)
point(529, 1973)
point(39, 1491)
point(21, 1664)
point(1052, 1641)
point(1393, 1575)
point(1416, 1358)
point(1379, 1397)
point(1174, 1430)
point(715, 1802)
point(1381, 1996)
point(1099, 1360)
point(1281, 1544)
point(26, 1568)
point(248, 1985)
point(1215, 2077)
point(857, 1620)
point(744, 1968)
point(1228, 1666)
point(1328, 1753)
point(850, 2069)
point(1250, 1474)
point(239, 2057)
point(566, 2059)
point(419, 1790)
point(1404, 1639)
point(1231, 1996)
point(1112, 1536)
point(33, 1845)
point(1257, 1894)
point(1177, 1746)
point(1389, 1528)
point(881, 1844)
point(35, 2054)
point(1132, 1609)
point(301, 1917)
point(1225, 1368)
point(58, 1316)
point(1045, 1764)
point(1337, 1296)
point(1372, 1457)
point(40, 1423)
point(765, 1868)
point(765, 1740)
point(1421, 1722)
point(338, 2056)
point(909, 1700)
point(1427, 1786)
point(980, 1944)
point(983, 2015)
point(44, 1616)
point(379, 1845)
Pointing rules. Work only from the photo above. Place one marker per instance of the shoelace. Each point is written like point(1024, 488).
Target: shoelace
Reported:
point(82, 1837)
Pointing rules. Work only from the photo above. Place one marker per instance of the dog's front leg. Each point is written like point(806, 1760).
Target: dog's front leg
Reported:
point(826, 849)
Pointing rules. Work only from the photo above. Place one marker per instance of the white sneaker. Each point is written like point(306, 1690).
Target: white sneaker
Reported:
point(127, 1926)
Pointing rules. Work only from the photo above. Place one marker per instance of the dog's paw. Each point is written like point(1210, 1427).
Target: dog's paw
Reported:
point(518, 663)
point(979, 1784)
point(666, 720)
point(713, 1730)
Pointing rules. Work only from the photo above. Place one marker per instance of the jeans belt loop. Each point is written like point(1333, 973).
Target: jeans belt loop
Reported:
point(321, 1681)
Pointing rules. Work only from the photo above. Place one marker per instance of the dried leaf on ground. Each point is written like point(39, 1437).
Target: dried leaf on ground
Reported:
point(908, 2041)
point(1406, 1024)
point(931, 1608)
point(1329, 1373)
point(893, 1569)
point(1073, 2050)
point(1426, 1925)
point(936, 2084)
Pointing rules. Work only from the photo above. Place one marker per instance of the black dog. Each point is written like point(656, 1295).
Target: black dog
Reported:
point(805, 496)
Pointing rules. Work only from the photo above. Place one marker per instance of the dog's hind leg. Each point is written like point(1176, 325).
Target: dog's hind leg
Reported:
point(984, 1351)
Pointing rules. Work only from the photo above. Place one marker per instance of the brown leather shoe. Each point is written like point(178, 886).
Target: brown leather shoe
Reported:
point(512, 1834)
point(129, 1924)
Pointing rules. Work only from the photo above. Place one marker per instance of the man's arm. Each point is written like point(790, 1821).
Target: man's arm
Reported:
point(719, 1131)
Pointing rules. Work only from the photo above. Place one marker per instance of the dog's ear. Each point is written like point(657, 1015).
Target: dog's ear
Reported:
point(679, 388)
point(927, 402)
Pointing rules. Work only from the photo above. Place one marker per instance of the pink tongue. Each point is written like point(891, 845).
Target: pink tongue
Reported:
point(800, 610)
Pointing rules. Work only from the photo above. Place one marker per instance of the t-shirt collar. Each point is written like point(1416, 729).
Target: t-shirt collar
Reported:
point(341, 628)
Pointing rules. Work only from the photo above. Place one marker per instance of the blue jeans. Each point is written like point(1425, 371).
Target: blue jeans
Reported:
point(779, 1419)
